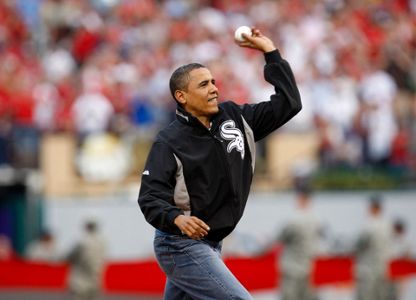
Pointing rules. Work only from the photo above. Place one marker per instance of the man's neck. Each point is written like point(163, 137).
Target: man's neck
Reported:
point(206, 121)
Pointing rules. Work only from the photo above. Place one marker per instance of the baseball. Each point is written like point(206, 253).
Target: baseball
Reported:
point(239, 31)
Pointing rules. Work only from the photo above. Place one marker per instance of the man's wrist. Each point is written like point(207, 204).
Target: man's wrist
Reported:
point(177, 219)
point(272, 56)
point(269, 49)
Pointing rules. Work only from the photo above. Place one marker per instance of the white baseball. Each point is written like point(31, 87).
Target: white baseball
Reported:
point(239, 31)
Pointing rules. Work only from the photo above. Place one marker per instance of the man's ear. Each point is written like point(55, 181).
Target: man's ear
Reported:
point(180, 96)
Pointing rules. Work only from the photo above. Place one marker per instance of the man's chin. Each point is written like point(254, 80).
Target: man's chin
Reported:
point(214, 110)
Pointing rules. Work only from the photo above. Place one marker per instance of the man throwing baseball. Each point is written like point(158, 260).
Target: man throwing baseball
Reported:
point(198, 173)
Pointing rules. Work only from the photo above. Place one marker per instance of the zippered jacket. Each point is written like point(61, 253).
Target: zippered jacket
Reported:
point(207, 173)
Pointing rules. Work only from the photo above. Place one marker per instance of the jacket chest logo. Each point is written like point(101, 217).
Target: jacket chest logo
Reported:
point(231, 133)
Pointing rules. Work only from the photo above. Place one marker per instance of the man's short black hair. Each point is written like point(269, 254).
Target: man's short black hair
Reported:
point(180, 77)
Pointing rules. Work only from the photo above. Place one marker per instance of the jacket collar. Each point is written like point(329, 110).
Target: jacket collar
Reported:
point(187, 118)
point(183, 116)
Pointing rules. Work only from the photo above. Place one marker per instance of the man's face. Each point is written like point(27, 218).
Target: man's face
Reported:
point(201, 97)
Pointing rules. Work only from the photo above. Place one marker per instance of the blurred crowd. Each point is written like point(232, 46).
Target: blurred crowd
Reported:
point(98, 67)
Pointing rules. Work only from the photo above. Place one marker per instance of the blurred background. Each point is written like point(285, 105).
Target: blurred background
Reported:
point(84, 90)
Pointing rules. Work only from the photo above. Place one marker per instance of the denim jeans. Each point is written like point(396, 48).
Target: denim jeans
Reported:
point(195, 270)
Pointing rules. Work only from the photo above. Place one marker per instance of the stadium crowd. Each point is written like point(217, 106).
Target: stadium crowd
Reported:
point(87, 67)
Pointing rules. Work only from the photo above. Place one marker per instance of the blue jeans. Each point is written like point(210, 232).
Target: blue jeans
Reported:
point(195, 270)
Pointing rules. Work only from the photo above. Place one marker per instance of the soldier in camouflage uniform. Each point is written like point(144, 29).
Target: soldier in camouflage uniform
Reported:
point(87, 261)
point(372, 252)
point(300, 245)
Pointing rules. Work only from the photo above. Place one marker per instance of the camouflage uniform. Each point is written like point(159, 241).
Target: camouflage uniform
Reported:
point(87, 262)
point(300, 241)
point(372, 261)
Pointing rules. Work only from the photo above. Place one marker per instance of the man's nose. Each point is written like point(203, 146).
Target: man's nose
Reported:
point(213, 89)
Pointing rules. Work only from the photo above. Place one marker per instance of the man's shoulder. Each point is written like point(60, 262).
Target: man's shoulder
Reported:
point(169, 132)
point(231, 108)
point(236, 111)
point(228, 105)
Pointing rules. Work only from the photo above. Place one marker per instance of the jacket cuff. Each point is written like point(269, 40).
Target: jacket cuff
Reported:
point(272, 56)
point(172, 216)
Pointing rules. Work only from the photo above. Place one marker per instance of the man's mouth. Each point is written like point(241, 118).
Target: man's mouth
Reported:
point(213, 99)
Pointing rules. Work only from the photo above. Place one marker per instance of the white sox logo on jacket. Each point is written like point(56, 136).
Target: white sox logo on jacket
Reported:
point(231, 133)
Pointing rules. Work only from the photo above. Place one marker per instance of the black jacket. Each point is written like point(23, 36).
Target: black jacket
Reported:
point(208, 173)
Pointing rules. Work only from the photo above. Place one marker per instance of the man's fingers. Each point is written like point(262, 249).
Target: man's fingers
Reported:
point(195, 234)
point(245, 43)
point(256, 41)
point(192, 227)
point(196, 228)
point(201, 223)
